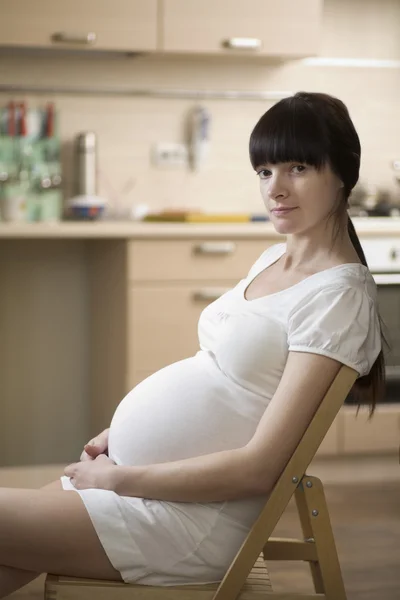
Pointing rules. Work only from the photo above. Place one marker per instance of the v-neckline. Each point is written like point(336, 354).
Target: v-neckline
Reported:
point(295, 285)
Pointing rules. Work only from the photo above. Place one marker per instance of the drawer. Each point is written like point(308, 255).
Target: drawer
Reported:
point(380, 434)
point(163, 323)
point(180, 260)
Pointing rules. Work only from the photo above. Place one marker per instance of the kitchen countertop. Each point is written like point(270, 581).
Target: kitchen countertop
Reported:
point(370, 226)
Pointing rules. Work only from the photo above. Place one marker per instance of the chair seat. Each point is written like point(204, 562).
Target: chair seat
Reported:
point(59, 587)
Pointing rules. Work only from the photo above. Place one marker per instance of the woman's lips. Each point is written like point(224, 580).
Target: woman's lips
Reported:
point(282, 211)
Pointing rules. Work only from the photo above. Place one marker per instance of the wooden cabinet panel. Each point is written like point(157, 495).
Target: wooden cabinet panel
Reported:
point(187, 260)
point(381, 434)
point(163, 325)
point(136, 377)
point(281, 28)
point(117, 25)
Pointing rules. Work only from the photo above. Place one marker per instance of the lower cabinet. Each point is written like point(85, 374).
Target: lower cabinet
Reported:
point(162, 323)
point(353, 433)
point(170, 282)
point(360, 435)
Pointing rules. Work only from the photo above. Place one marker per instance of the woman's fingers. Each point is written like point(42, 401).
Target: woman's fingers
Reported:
point(85, 456)
point(96, 446)
point(92, 450)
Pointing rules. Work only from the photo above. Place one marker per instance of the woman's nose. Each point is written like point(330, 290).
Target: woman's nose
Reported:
point(277, 188)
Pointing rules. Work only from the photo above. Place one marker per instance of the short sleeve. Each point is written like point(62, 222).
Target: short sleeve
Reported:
point(338, 322)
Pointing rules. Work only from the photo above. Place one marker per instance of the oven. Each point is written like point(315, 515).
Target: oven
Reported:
point(383, 258)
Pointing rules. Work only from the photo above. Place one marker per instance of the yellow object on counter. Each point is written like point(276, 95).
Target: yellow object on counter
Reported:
point(167, 217)
point(217, 218)
point(198, 217)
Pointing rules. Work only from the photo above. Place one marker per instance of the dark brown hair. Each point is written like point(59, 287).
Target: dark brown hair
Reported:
point(316, 129)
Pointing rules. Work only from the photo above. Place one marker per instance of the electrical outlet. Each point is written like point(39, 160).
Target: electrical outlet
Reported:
point(170, 155)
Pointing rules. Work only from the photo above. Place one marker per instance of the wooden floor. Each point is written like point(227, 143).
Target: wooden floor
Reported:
point(366, 523)
point(365, 514)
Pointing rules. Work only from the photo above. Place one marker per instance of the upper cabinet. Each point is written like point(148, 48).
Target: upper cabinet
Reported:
point(280, 28)
point(88, 24)
point(284, 28)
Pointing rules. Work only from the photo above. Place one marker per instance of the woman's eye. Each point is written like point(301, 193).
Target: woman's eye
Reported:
point(298, 168)
point(264, 173)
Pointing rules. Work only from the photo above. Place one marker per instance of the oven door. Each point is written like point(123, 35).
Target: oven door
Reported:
point(389, 307)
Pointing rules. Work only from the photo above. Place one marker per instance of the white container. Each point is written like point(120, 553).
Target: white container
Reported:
point(14, 206)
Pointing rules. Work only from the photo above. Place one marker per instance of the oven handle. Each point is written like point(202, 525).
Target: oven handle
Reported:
point(386, 278)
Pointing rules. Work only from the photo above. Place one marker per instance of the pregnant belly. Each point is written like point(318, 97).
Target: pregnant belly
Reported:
point(186, 409)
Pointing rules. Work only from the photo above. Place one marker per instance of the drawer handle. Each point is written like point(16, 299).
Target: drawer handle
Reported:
point(209, 294)
point(70, 38)
point(215, 248)
point(239, 43)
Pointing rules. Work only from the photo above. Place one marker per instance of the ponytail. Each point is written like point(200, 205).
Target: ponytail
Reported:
point(369, 389)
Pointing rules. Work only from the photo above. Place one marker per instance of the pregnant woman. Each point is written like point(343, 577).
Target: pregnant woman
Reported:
point(168, 493)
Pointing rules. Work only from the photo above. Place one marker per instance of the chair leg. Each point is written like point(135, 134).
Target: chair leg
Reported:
point(316, 524)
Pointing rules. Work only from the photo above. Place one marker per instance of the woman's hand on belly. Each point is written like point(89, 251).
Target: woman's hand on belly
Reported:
point(96, 446)
point(98, 473)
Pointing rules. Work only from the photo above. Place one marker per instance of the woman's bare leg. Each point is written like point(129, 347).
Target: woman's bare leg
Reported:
point(11, 579)
point(21, 571)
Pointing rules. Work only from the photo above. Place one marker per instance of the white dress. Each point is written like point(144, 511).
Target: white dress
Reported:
point(214, 401)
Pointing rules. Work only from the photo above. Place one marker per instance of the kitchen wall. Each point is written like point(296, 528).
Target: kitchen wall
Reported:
point(127, 127)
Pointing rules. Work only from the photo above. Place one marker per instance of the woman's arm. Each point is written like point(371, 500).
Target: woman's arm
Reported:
point(253, 469)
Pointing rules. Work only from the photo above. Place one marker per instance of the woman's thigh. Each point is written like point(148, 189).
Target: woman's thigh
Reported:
point(50, 531)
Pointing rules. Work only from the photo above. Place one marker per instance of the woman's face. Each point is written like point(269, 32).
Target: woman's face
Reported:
point(297, 196)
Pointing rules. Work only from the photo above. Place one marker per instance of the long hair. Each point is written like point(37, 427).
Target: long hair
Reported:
point(316, 129)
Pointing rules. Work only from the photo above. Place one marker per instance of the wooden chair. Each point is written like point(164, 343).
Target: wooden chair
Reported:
point(247, 578)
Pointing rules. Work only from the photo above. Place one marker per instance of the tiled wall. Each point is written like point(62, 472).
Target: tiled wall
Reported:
point(127, 127)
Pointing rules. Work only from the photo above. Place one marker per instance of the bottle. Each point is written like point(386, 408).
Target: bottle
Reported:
point(86, 164)
point(86, 204)
point(199, 136)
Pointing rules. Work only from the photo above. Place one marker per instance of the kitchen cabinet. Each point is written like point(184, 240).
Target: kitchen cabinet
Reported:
point(163, 324)
point(360, 435)
point(255, 27)
point(88, 24)
point(170, 283)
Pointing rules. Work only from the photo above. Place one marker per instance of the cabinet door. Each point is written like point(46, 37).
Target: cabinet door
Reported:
point(381, 434)
point(97, 24)
point(264, 27)
point(163, 324)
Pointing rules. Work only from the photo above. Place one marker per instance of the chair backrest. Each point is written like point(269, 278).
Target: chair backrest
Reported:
point(286, 484)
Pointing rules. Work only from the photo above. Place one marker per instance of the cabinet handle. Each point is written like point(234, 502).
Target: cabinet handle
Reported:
point(238, 43)
point(215, 248)
point(209, 294)
point(71, 38)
